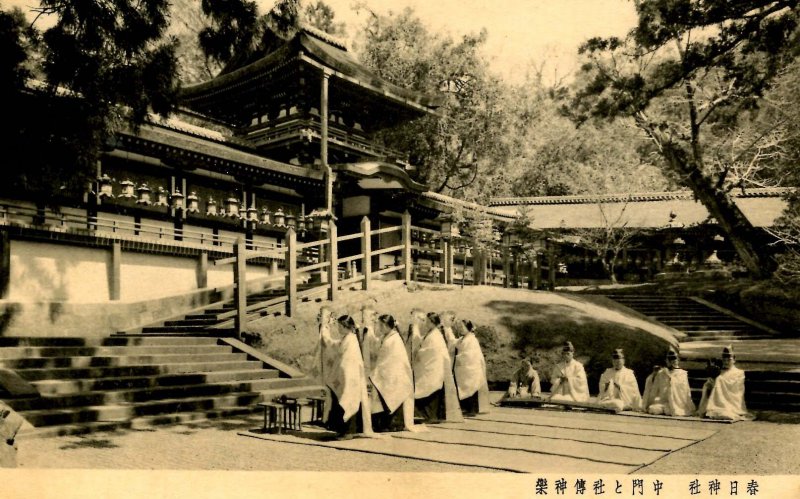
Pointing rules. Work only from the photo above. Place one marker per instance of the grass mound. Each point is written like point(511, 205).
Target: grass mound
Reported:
point(512, 324)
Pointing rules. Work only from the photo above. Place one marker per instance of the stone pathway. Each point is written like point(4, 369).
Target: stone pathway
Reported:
point(508, 439)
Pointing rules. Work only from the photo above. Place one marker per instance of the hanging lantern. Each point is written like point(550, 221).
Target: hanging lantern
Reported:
point(291, 221)
point(105, 188)
point(177, 200)
point(265, 215)
point(161, 197)
point(279, 218)
point(211, 207)
point(144, 195)
point(192, 203)
point(301, 223)
point(127, 189)
point(252, 214)
point(232, 207)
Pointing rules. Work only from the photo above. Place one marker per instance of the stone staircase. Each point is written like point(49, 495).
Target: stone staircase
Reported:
point(771, 361)
point(700, 321)
point(217, 319)
point(89, 384)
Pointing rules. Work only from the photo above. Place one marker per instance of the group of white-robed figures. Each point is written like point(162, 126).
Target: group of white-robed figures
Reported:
point(666, 389)
point(379, 379)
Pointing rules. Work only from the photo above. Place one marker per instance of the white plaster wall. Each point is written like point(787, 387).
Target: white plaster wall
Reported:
point(146, 276)
point(49, 272)
point(222, 275)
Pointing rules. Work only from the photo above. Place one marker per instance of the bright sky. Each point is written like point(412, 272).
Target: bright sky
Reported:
point(520, 31)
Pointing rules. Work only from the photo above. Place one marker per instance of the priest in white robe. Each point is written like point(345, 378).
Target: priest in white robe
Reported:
point(568, 378)
point(392, 398)
point(343, 374)
point(469, 371)
point(723, 396)
point(618, 387)
point(434, 388)
point(669, 392)
point(524, 382)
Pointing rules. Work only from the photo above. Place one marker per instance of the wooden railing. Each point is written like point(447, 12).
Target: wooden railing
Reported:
point(326, 267)
point(77, 221)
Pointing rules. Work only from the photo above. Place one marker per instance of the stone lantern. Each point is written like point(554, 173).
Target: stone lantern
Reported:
point(291, 221)
point(144, 195)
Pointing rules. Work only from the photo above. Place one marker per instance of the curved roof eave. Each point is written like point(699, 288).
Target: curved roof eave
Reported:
point(316, 52)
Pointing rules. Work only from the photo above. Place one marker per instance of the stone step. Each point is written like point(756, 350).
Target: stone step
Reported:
point(72, 386)
point(720, 338)
point(117, 360)
point(116, 340)
point(125, 412)
point(140, 370)
point(45, 352)
point(206, 321)
point(180, 329)
point(164, 419)
point(111, 397)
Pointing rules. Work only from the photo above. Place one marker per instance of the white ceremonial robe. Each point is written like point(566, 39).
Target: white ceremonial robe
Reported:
point(619, 390)
point(391, 374)
point(575, 388)
point(432, 369)
point(669, 394)
point(343, 371)
point(469, 367)
point(725, 398)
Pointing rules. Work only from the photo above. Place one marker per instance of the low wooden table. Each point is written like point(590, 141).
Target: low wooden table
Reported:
point(285, 413)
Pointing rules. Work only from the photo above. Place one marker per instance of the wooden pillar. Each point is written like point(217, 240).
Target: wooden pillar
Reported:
point(516, 270)
point(333, 260)
point(115, 277)
point(273, 267)
point(506, 265)
point(537, 271)
point(291, 272)
point(366, 251)
point(323, 146)
point(5, 263)
point(240, 286)
point(202, 270)
point(551, 265)
point(406, 235)
point(448, 270)
point(443, 262)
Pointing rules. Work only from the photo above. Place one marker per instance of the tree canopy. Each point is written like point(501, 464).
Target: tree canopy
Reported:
point(688, 70)
point(105, 65)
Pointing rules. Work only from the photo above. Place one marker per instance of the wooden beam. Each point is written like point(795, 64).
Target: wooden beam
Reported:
point(240, 286)
point(291, 273)
point(333, 259)
point(115, 275)
point(366, 250)
point(406, 236)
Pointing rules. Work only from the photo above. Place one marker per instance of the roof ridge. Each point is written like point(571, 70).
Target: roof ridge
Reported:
point(323, 36)
point(638, 197)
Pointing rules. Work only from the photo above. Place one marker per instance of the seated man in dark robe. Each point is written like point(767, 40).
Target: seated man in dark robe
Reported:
point(525, 382)
point(434, 387)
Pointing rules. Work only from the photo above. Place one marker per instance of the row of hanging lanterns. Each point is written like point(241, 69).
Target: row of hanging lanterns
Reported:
point(231, 207)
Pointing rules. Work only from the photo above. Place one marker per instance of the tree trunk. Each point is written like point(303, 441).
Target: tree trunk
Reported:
point(746, 240)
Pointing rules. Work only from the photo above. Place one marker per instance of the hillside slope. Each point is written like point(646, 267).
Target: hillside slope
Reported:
point(512, 323)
